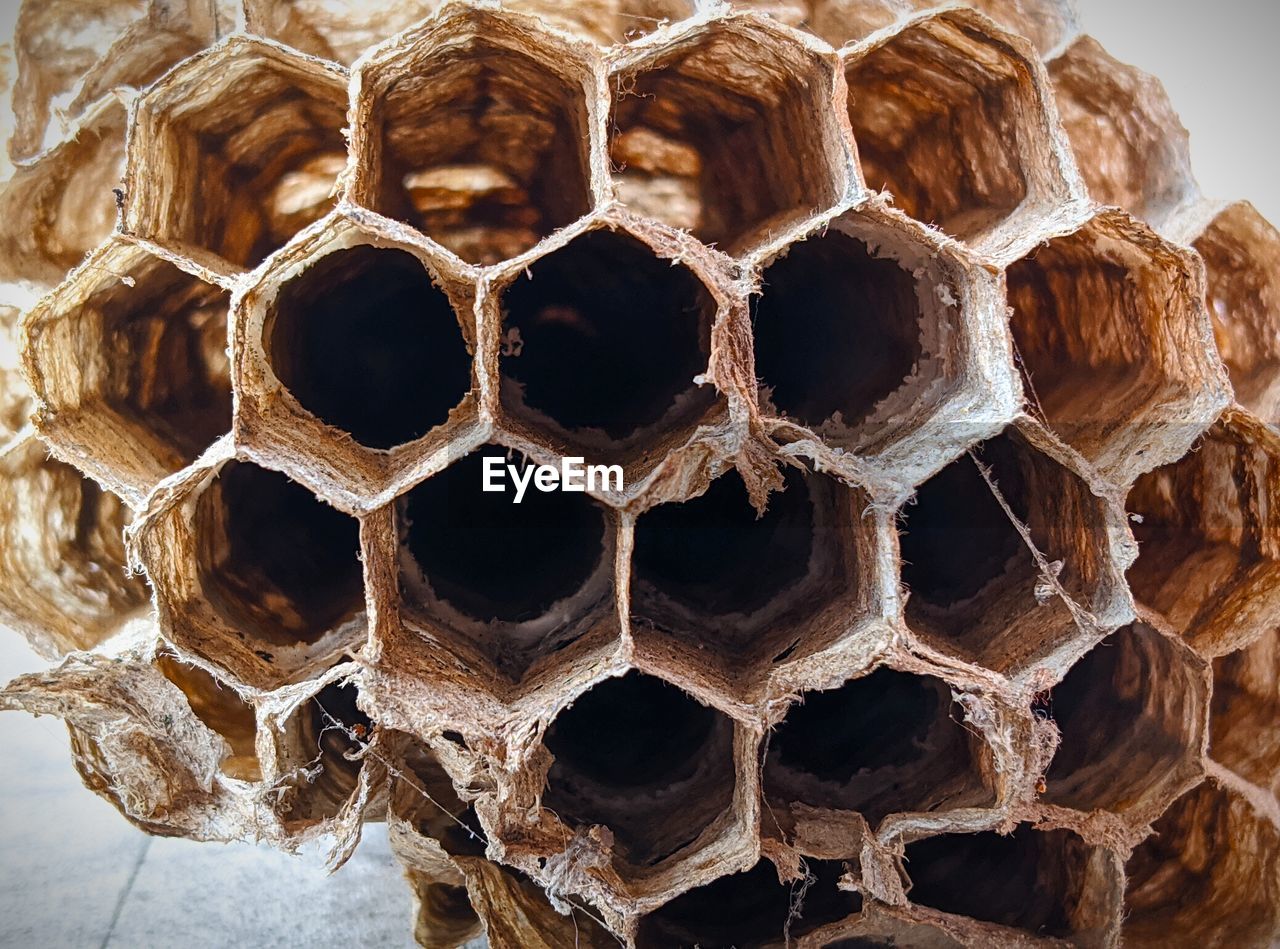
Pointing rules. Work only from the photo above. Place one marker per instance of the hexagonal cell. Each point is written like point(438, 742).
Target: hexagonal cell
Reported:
point(477, 132)
point(63, 582)
point(603, 339)
point(234, 151)
point(254, 574)
point(335, 29)
point(975, 589)
point(607, 21)
point(866, 323)
point(648, 762)
point(1244, 712)
point(62, 71)
point(1131, 715)
point(365, 341)
point(1130, 145)
point(1112, 337)
point(1208, 537)
point(1241, 252)
point(60, 207)
point(351, 361)
point(734, 592)
point(1209, 873)
point(1046, 882)
point(886, 743)
point(320, 749)
point(514, 583)
point(952, 123)
point(149, 390)
point(752, 909)
point(715, 130)
point(222, 710)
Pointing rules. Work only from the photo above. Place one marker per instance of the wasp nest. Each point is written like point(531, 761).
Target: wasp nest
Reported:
point(938, 603)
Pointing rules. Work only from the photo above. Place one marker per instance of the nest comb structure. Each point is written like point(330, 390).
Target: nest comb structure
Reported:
point(939, 607)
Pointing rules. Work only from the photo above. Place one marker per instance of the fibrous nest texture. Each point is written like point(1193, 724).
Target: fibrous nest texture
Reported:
point(939, 603)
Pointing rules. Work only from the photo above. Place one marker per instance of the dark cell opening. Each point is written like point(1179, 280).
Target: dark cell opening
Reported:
point(611, 336)
point(751, 909)
point(1097, 705)
point(882, 744)
point(716, 556)
point(279, 564)
point(836, 330)
point(643, 758)
point(1027, 880)
point(493, 559)
point(1127, 715)
point(956, 538)
point(367, 343)
point(879, 721)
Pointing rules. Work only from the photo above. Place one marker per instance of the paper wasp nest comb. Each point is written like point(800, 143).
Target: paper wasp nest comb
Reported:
point(939, 604)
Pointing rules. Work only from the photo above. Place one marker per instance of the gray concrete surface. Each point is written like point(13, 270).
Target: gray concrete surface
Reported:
point(73, 873)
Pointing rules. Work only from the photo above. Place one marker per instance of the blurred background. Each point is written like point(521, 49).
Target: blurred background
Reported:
point(73, 873)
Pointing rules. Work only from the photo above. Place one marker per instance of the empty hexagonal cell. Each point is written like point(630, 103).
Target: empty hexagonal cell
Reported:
point(222, 710)
point(1130, 145)
point(714, 131)
point(951, 122)
point(975, 589)
point(855, 328)
point(511, 582)
point(1241, 252)
point(320, 748)
point(63, 582)
point(752, 909)
point(602, 341)
point(738, 591)
point(255, 574)
point(59, 207)
point(1244, 712)
point(477, 134)
point(234, 151)
point(648, 762)
point(336, 29)
point(1208, 874)
point(1046, 882)
point(1110, 335)
point(1207, 537)
point(151, 388)
point(882, 744)
point(367, 342)
point(607, 21)
point(1131, 715)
